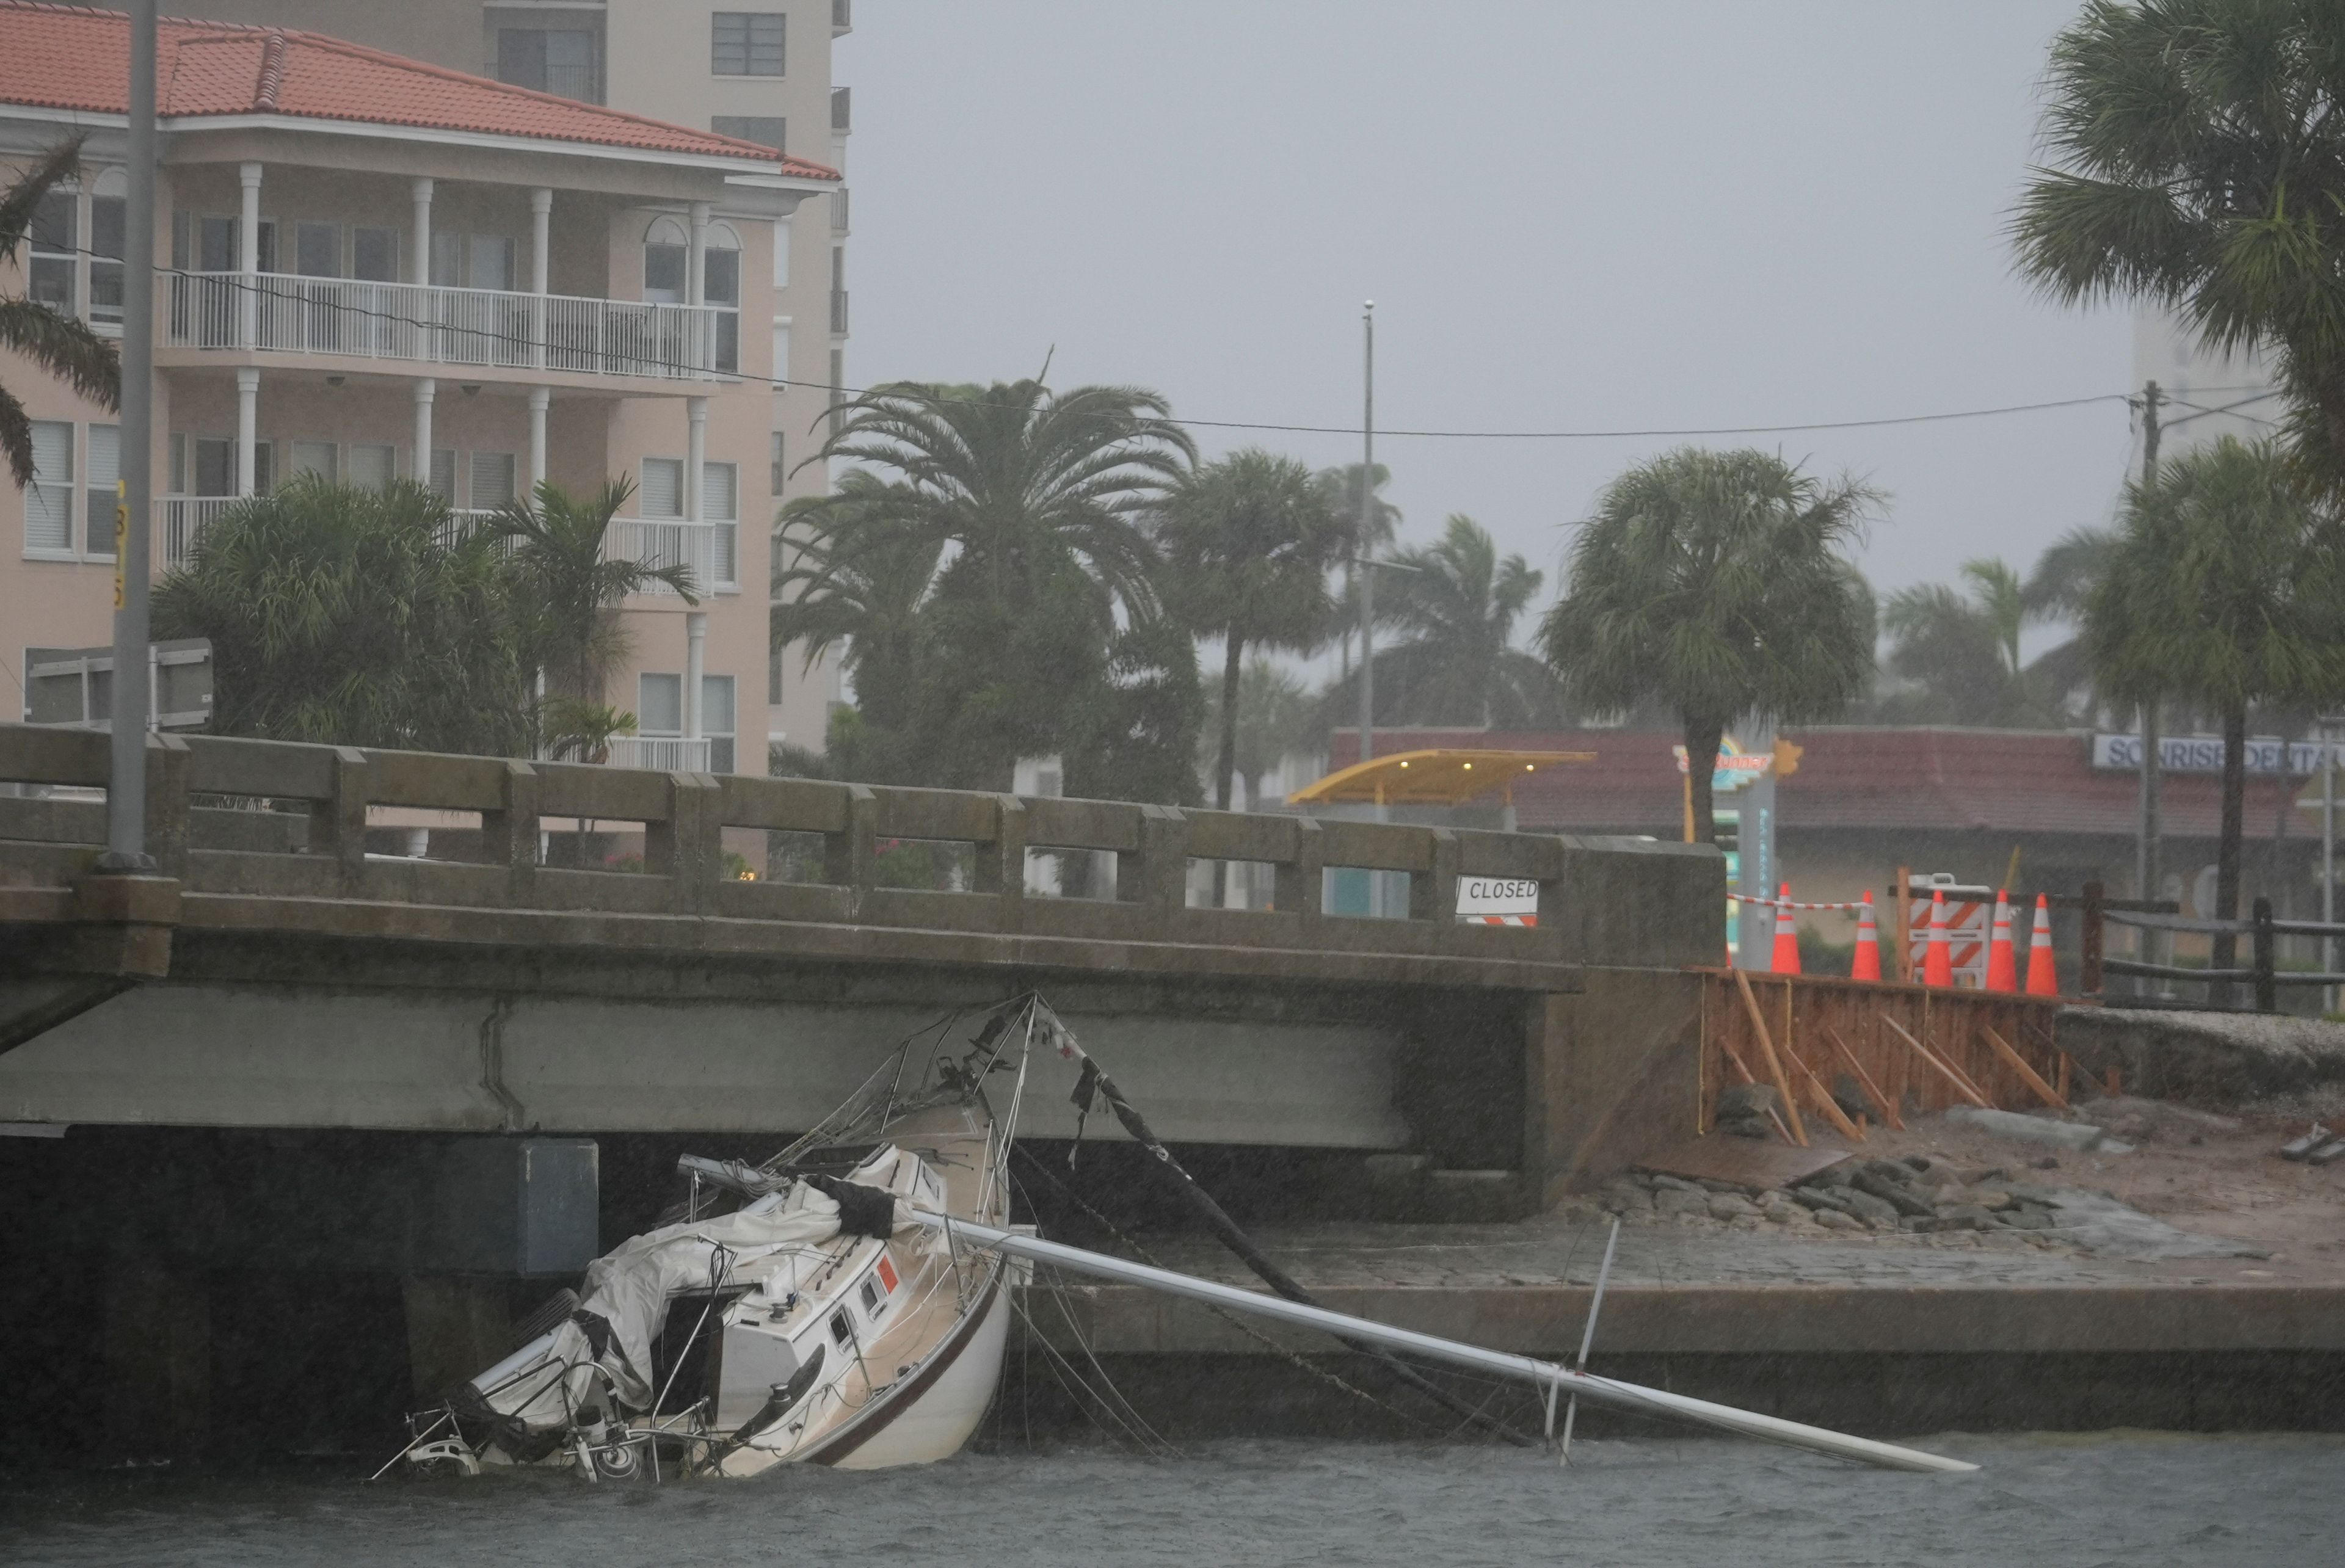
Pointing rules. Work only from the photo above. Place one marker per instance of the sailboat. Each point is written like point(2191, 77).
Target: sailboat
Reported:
point(797, 1310)
point(848, 1302)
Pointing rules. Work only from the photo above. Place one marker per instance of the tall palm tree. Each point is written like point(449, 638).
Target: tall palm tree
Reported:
point(1274, 713)
point(1020, 483)
point(1717, 584)
point(1456, 605)
point(2056, 592)
point(62, 345)
point(2226, 586)
point(1247, 543)
point(852, 582)
point(571, 585)
point(2199, 148)
point(1370, 523)
point(355, 617)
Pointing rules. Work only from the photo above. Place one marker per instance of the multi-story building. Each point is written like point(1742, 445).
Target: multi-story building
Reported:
point(378, 267)
point(763, 75)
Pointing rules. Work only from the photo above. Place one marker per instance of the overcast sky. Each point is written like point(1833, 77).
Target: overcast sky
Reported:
point(1571, 216)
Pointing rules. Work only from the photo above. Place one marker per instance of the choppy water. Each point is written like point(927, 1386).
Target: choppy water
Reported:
point(2135, 1499)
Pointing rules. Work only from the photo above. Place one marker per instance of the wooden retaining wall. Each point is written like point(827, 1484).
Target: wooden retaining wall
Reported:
point(1809, 1019)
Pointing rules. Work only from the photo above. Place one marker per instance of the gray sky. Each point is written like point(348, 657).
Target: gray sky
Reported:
point(1570, 215)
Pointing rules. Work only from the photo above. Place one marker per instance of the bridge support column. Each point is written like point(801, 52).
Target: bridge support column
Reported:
point(159, 1360)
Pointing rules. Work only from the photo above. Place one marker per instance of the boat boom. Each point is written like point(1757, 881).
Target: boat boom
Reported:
point(1523, 1368)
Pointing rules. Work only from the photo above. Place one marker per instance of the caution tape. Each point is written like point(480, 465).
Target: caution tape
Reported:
point(1792, 903)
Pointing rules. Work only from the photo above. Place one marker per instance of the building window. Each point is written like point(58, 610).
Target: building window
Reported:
point(782, 253)
point(720, 503)
point(661, 494)
point(101, 467)
point(721, 285)
point(374, 254)
point(48, 499)
point(443, 473)
point(493, 481)
point(781, 468)
point(838, 386)
point(659, 705)
point(667, 251)
point(491, 262)
point(109, 219)
point(766, 130)
point(717, 721)
point(313, 458)
point(373, 467)
point(318, 249)
point(746, 42)
point(781, 355)
point(56, 238)
point(841, 114)
point(559, 60)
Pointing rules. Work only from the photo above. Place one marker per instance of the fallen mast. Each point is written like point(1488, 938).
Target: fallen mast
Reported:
point(1549, 1376)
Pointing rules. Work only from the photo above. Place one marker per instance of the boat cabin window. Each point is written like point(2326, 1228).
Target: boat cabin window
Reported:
point(840, 1328)
point(872, 1300)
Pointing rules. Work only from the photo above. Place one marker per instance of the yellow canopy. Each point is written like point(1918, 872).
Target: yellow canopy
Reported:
point(1443, 778)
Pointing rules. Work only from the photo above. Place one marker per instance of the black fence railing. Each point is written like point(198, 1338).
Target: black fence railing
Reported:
point(2261, 974)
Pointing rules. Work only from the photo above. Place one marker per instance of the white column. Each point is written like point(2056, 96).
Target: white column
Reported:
point(248, 429)
point(424, 390)
point(539, 398)
point(695, 262)
point(695, 457)
point(696, 661)
point(421, 260)
point(541, 227)
point(248, 244)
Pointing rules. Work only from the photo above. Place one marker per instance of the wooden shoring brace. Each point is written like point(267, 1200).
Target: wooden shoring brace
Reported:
point(1824, 1102)
point(1963, 1085)
point(1881, 1102)
point(1774, 1065)
point(2027, 1075)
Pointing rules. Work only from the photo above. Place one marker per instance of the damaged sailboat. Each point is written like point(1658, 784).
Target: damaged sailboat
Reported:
point(848, 1302)
point(796, 1310)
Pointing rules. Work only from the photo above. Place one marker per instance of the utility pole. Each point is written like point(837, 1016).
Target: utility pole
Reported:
point(2148, 875)
point(134, 529)
point(1367, 503)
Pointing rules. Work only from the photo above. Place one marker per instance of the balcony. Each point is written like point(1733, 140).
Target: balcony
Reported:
point(841, 111)
point(180, 521)
point(842, 17)
point(711, 550)
point(838, 211)
point(663, 753)
point(350, 317)
point(839, 312)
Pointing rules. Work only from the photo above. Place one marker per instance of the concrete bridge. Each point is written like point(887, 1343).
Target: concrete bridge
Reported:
point(273, 973)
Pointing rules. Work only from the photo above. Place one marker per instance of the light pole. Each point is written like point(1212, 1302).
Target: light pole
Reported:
point(125, 787)
point(1367, 504)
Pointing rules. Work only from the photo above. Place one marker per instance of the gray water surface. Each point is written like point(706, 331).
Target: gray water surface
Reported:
point(2131, 1499)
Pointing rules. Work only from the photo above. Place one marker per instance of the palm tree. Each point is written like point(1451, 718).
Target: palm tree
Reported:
point(1717, 583)
point(1962, 648)
point(570, 585)
point(1456, 604)
point(1021, 482)
point(355, 617)
point(1370, 524)
point(1274, 712)
point(2200, 157)
point(2226, 586)
point(1247, 543)
point(851, 581)
point(2057, 590)
point(60, 344)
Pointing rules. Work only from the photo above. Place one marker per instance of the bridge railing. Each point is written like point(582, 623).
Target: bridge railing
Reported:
point(265, 819)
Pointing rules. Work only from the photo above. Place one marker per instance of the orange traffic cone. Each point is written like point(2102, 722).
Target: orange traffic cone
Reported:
point(1868, 944)
point(1787, 940)
point(1938, 959)
point(2043, 979)
point(2002, 962)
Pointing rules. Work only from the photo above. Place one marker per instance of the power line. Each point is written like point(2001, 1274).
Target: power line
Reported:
point(234, 282)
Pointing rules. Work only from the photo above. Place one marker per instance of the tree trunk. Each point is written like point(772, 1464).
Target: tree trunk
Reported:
point(2226, 847)
point(1702, 737)
point(1227, 768)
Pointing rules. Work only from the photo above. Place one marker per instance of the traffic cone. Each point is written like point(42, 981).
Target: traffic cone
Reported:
point(1938, 959)
point(2002, 962)
point(2043, 979)
point(1787, 940)
point(1868, 944)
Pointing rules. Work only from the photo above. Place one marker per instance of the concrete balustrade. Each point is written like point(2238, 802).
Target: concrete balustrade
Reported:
point(264, 819)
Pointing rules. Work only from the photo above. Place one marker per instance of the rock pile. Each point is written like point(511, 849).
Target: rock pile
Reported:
point(1917, 1194)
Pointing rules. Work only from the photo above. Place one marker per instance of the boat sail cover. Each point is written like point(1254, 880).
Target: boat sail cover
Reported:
point(544, 1386)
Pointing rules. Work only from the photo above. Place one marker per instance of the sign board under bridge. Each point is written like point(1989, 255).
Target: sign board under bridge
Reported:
point(1497, 901)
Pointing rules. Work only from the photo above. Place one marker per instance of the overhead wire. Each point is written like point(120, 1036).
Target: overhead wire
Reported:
point(235, 282)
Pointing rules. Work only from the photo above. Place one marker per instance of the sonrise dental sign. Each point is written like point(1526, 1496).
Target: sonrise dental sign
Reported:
point(2204, 754)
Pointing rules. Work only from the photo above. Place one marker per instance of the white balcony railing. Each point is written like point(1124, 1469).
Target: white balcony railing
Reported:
point(709, 549)
point(180, 521)
point(280, 313)
point(665, 754)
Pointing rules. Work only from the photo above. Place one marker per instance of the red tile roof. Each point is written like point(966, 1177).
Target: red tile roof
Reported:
point(1890, 780)
point(73, 59)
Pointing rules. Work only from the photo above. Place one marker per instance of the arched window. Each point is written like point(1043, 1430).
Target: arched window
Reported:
point(668, 246)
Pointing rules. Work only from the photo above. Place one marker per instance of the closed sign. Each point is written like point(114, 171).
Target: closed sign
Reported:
point(1498, 900)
